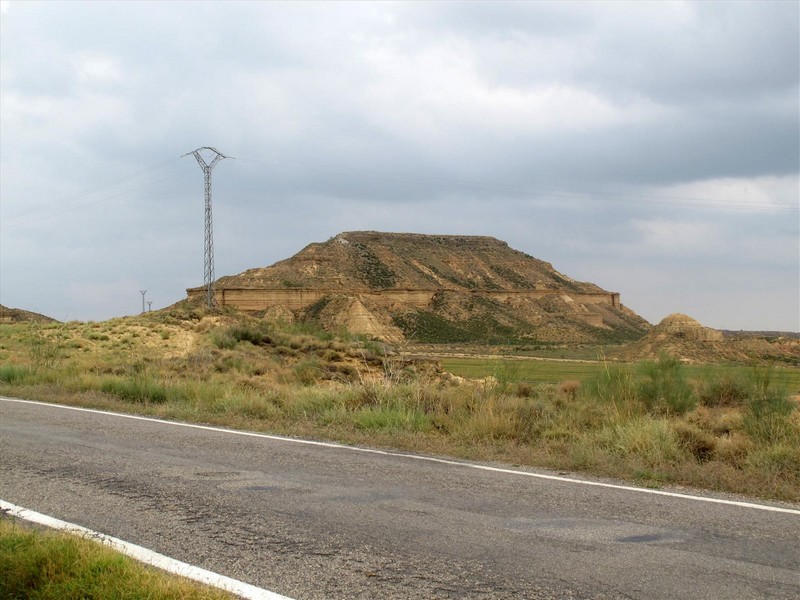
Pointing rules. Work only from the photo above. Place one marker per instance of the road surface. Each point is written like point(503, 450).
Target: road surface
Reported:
point(321, 521)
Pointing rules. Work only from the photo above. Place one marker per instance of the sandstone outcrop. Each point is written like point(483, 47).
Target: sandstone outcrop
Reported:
point(682, 337)
point(434, 288)
point(682, 326)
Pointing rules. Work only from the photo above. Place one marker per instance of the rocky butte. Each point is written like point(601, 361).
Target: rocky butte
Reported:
point(431, 288)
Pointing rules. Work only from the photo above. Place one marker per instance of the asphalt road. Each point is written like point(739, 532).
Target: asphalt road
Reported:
point(314, 521)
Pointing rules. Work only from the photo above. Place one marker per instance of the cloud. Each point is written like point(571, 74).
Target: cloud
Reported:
point(606, 138)
point(675, 237)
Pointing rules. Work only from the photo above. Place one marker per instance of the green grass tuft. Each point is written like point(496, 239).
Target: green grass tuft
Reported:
point(138, 389)
point(46, 565)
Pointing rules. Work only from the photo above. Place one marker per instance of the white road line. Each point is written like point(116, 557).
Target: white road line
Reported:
point(443, 461)
point(165, 563)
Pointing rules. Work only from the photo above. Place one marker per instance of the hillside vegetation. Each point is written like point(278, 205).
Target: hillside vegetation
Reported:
point(734, 429)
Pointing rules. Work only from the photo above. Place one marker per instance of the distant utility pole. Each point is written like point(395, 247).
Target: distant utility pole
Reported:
point(142, 292)
point(149, 306)
point(209, 236)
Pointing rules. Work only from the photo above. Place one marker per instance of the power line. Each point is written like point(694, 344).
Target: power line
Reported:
point(79, 195)
point(22, 219)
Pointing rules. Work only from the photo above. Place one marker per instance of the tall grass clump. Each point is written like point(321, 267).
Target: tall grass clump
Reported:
point(649, 440)
point(397, 418)
point(140, 389)
point(44, 350)
point(722, 389)
point(13, 373)
point(665, 389)
point(616, 387)
point(767, 417)
point(226, 338)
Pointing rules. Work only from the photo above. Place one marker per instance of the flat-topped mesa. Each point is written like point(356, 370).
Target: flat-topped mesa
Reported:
point(370, 260)
point(400, 271)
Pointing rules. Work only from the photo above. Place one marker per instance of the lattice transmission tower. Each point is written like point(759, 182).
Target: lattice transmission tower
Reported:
point(207, 167)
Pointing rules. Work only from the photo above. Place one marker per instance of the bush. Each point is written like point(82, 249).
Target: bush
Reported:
point(724, 390)
point(569, 389)
point(615, 386)
point(651, 441)
point(767, 416)
point(665, 389)
point(307, 372)
point(395, 419)
point(779, 461)
point(13, 373)
point(139, 389)
point(700, 444)
point(532, 419)
point(226, 338)
point(223, 339)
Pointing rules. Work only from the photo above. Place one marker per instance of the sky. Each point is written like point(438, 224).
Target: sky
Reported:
point(650, 148)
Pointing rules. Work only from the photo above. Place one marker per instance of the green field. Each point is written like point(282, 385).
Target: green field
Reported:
point(556, 371)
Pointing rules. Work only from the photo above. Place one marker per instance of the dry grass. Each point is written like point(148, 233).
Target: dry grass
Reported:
point(656, 424)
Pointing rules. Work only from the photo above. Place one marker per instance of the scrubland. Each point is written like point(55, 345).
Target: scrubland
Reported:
point(721, 427)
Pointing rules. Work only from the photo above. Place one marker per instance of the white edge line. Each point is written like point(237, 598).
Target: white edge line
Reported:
point(443, 461)
point(165, 563)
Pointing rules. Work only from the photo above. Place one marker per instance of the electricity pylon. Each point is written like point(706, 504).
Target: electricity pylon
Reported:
point(208, 281)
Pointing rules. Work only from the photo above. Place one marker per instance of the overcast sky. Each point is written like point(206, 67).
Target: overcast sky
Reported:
point(651, 148)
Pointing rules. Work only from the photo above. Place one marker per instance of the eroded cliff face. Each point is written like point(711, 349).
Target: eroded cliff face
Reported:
point(434, 288)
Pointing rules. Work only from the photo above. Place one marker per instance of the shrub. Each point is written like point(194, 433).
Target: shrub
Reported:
point(138, 389)
point(396, 419)
point(724, 390)
point(569, 389)
point(13, 373)
point(778, 460)
point(44, 350)
point(223, 339)
point(307, 372)
point(614, 386)
point(259, 407)
point(767, 417)
point(665, 388)
point(311, 402)
point(700, 444)
point(532, 419)
point(651, 441)
point(733, 449)
point(524, 389)
point(227, 337)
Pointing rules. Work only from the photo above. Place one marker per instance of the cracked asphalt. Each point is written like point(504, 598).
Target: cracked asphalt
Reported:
point(318, 522)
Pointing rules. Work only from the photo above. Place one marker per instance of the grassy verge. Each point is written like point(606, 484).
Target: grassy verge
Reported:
point(727, 428)
point(43, 565)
